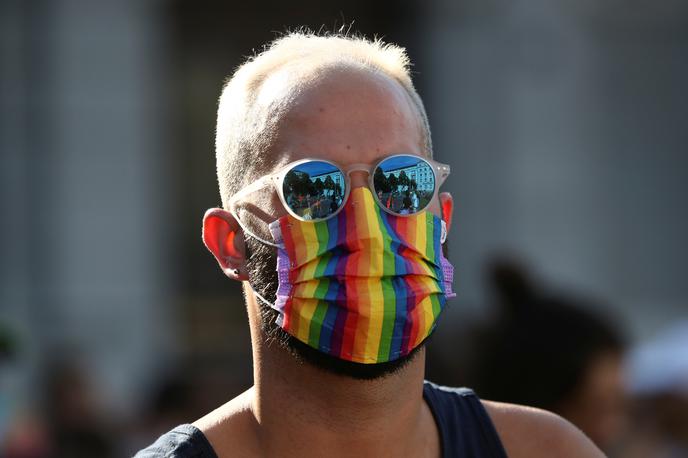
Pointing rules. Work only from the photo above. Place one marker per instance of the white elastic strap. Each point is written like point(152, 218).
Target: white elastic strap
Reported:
point(280, 317)
point(443, 237)
point(249, 232)
point(260, 296)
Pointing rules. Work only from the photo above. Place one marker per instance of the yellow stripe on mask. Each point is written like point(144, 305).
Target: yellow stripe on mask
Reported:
point(421, 238)
point(363, 221)
point(426, 320)
point(375, 317)
point(363, 319)
point(306, 308)
point(310, 240)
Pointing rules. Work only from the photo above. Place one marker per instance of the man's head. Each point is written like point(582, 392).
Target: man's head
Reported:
point(261, 92)
point(343, 99)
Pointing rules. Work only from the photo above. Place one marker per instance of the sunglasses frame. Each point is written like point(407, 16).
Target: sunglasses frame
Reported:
point(440, 173)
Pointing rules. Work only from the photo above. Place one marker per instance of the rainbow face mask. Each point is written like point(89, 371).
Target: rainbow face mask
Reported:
point(363, 286)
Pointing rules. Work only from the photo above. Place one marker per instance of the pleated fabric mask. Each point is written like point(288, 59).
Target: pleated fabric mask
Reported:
point(363, 286)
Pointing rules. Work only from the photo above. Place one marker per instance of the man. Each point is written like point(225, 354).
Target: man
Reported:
point(339, 306)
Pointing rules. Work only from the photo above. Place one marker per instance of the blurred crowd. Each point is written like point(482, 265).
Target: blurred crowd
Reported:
point(557, 351)
point(569, 354)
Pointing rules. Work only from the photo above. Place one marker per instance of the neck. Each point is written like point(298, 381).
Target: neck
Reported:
point(302, 410)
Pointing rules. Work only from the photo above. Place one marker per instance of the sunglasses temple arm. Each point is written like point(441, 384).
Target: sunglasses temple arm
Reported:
point(256, 185)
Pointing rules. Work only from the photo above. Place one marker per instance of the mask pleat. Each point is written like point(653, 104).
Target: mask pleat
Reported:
point(364, 286)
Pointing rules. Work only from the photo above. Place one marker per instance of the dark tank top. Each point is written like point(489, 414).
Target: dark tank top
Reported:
point(464, 426)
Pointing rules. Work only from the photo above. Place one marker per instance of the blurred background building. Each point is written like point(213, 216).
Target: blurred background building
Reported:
point(564, 123)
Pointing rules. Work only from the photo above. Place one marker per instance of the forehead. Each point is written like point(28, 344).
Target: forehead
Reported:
point(346, 115)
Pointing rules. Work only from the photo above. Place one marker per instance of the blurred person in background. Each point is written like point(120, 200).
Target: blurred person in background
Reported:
point(23, 432)
point(657, 373)
point(341, 303)
point(170, 402)
point(69, 421)
point(79, 423)
point(553, 351)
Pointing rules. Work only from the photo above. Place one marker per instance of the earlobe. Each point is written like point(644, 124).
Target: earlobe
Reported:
point(222, 236)
point(447, 205)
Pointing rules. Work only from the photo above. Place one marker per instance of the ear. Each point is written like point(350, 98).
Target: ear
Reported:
point(447, 205)
point(223, 237)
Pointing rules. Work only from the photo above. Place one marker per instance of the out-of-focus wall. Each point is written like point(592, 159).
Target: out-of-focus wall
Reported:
point(85, 220)
point(565, 124)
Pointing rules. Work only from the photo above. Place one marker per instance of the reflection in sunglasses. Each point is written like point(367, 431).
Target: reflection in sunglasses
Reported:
point(314, 190)
point(403, 185)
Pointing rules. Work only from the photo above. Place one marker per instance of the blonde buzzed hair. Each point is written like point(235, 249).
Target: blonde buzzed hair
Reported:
point(246, 129)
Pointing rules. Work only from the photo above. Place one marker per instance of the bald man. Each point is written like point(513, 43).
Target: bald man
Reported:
point(321, 143)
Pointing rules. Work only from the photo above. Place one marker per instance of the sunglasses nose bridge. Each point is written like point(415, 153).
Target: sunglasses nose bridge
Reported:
point(358, 175)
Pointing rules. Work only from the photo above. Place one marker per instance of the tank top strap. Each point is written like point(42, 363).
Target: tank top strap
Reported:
point(464, 425)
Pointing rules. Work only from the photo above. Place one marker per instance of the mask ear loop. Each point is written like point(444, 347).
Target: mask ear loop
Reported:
point(248, 189)
point(251, 233)
point(269, 304)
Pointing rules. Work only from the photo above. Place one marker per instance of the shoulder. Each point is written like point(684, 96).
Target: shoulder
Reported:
point(530, 432)
point(232, 427)
point(228, 430)
point(182, 441)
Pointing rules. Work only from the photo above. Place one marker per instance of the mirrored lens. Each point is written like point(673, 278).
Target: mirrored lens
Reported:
point(314, 190)
point(404, 184)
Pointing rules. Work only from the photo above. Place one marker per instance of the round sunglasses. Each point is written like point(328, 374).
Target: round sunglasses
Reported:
point(317, 189)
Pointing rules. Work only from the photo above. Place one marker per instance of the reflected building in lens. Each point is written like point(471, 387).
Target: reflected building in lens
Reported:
point(421, 173)
point(336, 177)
